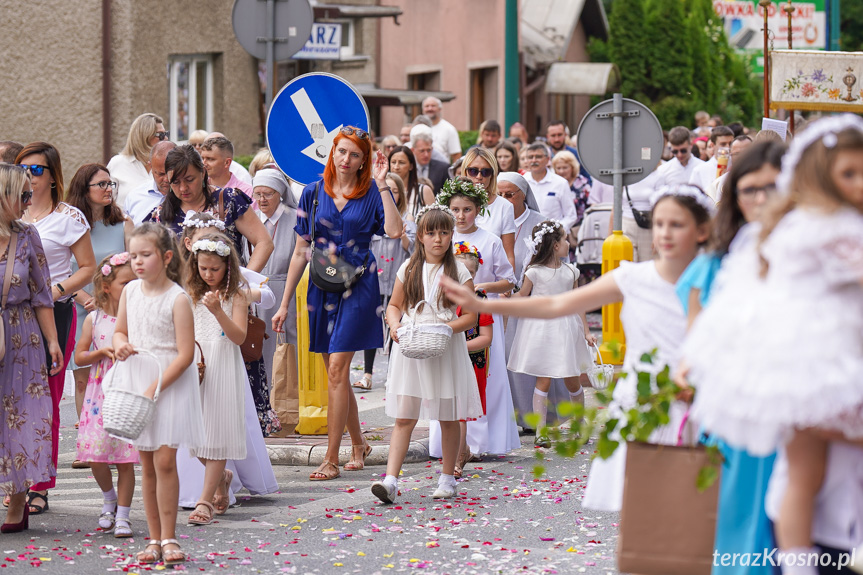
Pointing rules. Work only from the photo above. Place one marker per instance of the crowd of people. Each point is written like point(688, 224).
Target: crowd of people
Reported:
point(153, 264)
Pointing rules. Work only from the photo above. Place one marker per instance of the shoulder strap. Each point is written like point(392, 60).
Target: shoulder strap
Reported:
point(10, 265)
point(314, 212)
point(222, 204)
point(628, 199)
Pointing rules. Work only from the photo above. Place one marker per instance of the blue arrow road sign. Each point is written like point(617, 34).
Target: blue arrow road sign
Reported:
point(305, 117)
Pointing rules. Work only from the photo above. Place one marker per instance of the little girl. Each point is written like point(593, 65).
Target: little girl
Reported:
point(783, 365)
point(479, 339)
point(652, 316)
point(554, 348)
point(442, 388)
point(156, 315)
point(221, 316)
point(96, 447)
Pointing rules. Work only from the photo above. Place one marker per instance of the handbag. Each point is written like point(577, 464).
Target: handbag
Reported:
point(601, 375)
point(642, 217)
point(11, 249)
point(285, 390)
point(202, 365)
point(330, 272)
point(252, 347)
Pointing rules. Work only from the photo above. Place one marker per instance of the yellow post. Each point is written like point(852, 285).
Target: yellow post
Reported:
point(312, 371)
point(616, 248)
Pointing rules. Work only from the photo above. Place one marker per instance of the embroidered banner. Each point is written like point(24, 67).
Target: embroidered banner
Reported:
point(810, 80)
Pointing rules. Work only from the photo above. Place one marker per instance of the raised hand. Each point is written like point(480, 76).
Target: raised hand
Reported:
point(212, 301)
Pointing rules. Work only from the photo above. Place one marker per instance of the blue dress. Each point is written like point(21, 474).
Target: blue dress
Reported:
point(742, 525)
point(349, 321)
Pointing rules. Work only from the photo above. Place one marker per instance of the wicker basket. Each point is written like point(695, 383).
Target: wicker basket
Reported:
point(601, 375)
point(125, 413)
point(422, 335)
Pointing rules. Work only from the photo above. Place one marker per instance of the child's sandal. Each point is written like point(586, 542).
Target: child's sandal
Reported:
point(122, 528)
point(222, 502)
point(198, 517)
point(148, 556)
point(178, 557)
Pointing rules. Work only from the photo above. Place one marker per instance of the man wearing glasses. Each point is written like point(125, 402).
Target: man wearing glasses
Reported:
point(679, 169)
point(551, 191)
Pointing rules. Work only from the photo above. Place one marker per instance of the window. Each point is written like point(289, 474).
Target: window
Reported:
point(348, 49)
point(422, 81)
point(483, 95)
point(191, 97)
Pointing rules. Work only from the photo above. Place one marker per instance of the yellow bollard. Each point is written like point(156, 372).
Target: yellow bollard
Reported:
point(616, 248)
point(312, 371)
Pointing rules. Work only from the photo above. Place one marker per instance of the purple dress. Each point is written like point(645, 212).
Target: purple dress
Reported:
point(25, 432)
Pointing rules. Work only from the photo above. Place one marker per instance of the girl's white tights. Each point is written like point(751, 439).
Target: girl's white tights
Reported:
point(540, 398)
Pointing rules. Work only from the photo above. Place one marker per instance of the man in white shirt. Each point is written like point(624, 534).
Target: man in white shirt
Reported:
point(704, 173)
point(143, 200)
point(551, 191)
point(679, 169)
point(218, 153)
point(445, 135)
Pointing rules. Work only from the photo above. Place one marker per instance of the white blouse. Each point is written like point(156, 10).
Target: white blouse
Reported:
point(499, 218)
point(59, 230)
point(129, 173)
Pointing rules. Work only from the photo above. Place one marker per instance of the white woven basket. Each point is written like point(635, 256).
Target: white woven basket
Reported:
point(126, 413)
point(422, 335)
point(601, 375)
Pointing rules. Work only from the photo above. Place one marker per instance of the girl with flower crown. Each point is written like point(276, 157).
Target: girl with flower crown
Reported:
point(221, 312)
point(442, 388)
point(551, 348)
point(95, 446)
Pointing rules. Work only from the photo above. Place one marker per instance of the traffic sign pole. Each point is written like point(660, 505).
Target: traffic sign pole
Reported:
point(271, 38)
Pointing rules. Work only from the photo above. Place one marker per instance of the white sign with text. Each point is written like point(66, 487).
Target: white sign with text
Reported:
point(324, 43)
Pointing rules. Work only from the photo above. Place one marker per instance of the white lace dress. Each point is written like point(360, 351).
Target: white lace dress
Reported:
point(768, 355)
point(150, 321)
point(222, 397)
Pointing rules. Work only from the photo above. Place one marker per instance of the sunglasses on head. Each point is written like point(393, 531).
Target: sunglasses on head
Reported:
point(474, 172)
point(361, 134)
point(26, 196)
point(162, 135)
point(35, 169)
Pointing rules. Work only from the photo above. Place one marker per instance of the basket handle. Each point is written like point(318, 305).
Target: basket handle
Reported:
point(682, 428)
point(598, 353)
point(159, 365)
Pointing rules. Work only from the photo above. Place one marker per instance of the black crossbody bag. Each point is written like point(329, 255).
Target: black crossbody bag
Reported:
point(330, 272)
point(642, 217)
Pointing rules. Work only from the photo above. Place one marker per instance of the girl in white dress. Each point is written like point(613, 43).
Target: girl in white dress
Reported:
point(551, 348)
point(156, 315)
point(496, 432)
point(221, 316)
point(442, 388)
point(652, 316)
point(764, 384)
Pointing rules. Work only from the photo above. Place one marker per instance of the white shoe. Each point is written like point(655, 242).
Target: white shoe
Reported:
point(385, 493)
point(444, 492)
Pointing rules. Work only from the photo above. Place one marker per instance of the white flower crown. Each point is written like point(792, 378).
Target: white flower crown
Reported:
point(439, 207)
point(218, 247)
point(687, 190)
point(534, 242)
point(196, 223)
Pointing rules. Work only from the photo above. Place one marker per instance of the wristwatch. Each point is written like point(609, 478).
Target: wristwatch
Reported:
point(59, 287)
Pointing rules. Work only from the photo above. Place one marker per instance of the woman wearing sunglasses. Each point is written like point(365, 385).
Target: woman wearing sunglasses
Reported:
point(65, 235)
point(27, 316)
point(480, 166)
point(131, 167)
point(354, 203)
point(93, 192)
point(403, 164)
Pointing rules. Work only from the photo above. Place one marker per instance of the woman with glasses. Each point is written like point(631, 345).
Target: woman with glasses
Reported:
point(28, 434)
point(353, 204)
point(480, 166)
point(403, 164)
point(93, 192)
point(390, 143)
point(65, 236)
point(131, 167)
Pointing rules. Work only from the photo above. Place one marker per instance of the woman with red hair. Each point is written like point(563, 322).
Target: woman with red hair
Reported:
point(349, 208)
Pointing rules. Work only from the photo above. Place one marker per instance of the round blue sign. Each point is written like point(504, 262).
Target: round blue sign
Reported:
point(305, 117)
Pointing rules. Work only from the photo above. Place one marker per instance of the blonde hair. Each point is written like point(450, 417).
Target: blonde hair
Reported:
point(488, 156)
point(197, 137)
point(12, 180)
point(569, 158)
point(261, 160)
point(101, 280)
point(137, 144)
point(164, 241)
point(402, 202)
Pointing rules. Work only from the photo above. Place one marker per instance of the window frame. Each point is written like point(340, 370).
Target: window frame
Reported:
point(192, 60)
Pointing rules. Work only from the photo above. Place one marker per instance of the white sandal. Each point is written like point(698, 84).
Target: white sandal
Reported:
point(365, 384)
point(122, 528)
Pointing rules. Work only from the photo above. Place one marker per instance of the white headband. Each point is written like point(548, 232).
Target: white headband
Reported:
point(218, 247)
point(195, 223)
point(435, 206)
point(687, 190)
point(534, 242)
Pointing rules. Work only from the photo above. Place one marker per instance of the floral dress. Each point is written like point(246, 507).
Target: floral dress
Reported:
point(26, 440)
point(93, 443)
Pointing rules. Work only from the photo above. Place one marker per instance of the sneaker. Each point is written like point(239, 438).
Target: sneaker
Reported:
point(385, 493)
point(444, 492)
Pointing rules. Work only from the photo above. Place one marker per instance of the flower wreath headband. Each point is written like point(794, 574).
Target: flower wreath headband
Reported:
point(534, 242)
point(440, 207)
point(686, 190)
point(475, 192)
point(825, 130)
point(466, 249)
point(191, 221)
point(218, 247)
point(120, 259)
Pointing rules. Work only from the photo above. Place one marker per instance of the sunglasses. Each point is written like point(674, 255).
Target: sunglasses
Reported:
point(35, 169)
point(105, 185)
point(681, 151)
point(474, 172)
point(510, 195)
point(26, 196)
point(348, 131)
point(162, 135)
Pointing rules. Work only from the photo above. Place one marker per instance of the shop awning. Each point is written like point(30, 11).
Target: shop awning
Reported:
point(327, 11)
point(375, 96)
point(593, 79)
point(547, 27)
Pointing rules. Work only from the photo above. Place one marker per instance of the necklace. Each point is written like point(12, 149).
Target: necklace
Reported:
point(40, 214)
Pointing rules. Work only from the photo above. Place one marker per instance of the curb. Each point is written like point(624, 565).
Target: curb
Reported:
point(313, 455)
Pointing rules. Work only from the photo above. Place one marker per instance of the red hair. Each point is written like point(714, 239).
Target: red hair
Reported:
point(364, 175)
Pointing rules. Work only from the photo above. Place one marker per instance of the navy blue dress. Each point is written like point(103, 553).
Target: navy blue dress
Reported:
point(349, 321)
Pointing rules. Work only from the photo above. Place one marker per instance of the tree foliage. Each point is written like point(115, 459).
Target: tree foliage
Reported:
point(851, 16)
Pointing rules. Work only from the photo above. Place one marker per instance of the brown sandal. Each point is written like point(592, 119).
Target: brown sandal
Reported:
point(321, 474)
point(353, 465)
point(198, 517)
point(221, 503)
